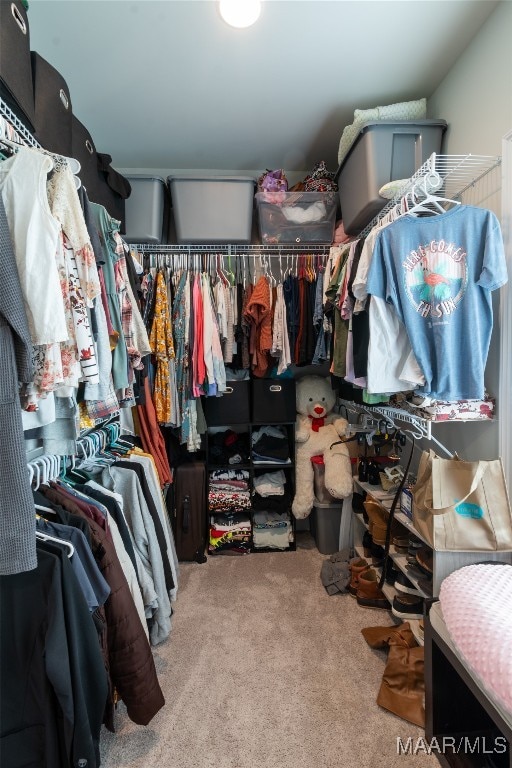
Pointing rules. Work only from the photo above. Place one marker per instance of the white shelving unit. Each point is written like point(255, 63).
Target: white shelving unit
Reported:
point(444, 563)
point(359, 528)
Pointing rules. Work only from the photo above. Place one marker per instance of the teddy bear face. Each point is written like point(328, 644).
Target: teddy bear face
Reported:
point(314, 397)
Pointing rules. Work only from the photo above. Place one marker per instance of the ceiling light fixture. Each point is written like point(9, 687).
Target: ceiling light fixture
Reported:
point(240, 13)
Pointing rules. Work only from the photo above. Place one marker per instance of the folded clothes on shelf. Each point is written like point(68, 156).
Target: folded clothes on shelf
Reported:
point(228, 447)
point(270, 483)
point(272, 503)
point(230, 534)
point(272, 530)
point(228, 501)
point(270, 444)
point(229, 474)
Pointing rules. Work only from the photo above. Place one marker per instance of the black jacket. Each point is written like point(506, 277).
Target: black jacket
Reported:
point(53, 683)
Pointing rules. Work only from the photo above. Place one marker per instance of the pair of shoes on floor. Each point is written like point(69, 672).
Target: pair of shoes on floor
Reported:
point(364, 585)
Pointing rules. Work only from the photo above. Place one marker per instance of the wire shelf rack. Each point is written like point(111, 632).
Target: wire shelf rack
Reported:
point(15, 130)
point(457, 172)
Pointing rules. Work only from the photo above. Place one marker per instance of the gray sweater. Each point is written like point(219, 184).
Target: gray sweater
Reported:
point(17, 512)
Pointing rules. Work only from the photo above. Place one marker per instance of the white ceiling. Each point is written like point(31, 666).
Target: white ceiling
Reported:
point(167, 84)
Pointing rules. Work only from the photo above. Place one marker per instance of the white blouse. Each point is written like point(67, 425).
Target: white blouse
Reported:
point(35, 234)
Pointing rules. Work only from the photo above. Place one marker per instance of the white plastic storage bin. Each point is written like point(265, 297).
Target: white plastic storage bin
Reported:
point(296, 217)
point(146, 210)
point(215, 209)
point(384, 151)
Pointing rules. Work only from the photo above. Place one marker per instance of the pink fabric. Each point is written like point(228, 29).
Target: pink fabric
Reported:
point(340, 235)
point(477, 608)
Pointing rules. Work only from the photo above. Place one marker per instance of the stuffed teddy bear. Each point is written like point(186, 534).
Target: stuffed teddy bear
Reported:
point(317, 429)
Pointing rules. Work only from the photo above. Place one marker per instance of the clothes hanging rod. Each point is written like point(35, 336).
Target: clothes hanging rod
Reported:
point(231, 250)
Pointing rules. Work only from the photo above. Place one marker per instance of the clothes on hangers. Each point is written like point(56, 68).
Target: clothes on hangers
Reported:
point(53, 689)
point(17, 514)
point(438, 273)
point(133, 674)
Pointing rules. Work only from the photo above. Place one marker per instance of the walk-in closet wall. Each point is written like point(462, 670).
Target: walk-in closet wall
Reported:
point(483, 68)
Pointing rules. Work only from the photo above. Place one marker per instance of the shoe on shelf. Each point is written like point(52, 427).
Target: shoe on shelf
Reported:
point(357, 565)
point(413, 546)
point(425, 560)
point(378, 521)
point(367, 544)
point(425, 584)
point(369, 595)
point(407, 607)
point(401, 544)
point(378, 553)
point(391, 572)
point(414, 570)
point(403, 585)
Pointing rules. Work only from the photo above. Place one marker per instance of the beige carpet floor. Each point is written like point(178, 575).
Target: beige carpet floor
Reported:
point(264, 670)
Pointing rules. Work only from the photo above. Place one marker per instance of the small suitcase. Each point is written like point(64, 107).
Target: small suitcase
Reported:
point(190, 519)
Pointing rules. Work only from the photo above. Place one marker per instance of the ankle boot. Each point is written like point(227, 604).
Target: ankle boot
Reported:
point(357, 565)
point(403, 686)
point(378, 521)
point(367, 544)
point(382, 637)
point(368, 593)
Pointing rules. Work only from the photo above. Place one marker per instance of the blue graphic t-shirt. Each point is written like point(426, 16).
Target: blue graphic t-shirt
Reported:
point(438, 273)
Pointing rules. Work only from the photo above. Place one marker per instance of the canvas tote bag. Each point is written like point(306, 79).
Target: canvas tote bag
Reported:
point(462, 505)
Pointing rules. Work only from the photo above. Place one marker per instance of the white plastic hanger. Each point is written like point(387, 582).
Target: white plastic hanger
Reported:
point(430, 181)
point(46, 537)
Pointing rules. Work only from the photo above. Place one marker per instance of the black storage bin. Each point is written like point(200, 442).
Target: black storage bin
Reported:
point(52, 101)
point(16, 87)
point(95, 180)
point(232, 408)
point(273, 401)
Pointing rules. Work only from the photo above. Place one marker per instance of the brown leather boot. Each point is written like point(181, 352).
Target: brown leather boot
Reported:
point(368, 593)
point(357, 565)
point(403, 685)
point(378, 521)
point(382, 637)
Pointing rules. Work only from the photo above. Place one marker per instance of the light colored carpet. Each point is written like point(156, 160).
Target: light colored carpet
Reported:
point(264, 669)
